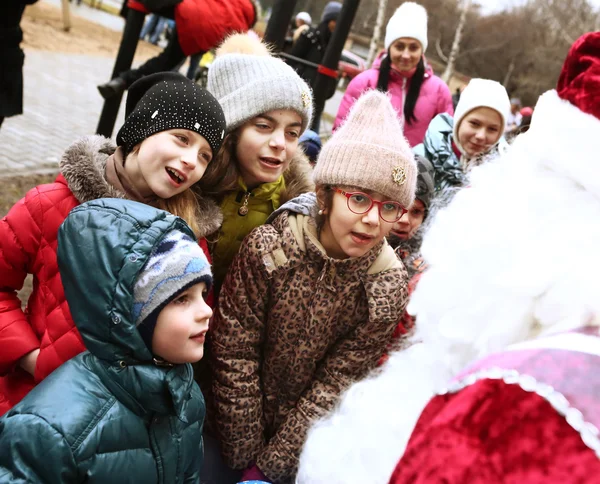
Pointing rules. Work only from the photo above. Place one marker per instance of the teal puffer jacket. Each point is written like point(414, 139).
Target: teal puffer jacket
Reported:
point(437, 148)
point(111, 414)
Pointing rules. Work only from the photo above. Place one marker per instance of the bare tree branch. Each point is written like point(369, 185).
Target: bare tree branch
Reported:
point(440, 53)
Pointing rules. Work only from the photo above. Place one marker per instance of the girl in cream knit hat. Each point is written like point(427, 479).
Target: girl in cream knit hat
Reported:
point(267, 107)
point(455, 145)
point(313, 296)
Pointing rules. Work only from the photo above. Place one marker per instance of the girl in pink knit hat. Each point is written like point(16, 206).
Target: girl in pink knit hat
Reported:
point(313, 296)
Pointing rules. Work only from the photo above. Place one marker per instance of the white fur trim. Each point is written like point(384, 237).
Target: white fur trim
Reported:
point(513, 257)
point(363, 439)
point(565, 140)
point(409, 20)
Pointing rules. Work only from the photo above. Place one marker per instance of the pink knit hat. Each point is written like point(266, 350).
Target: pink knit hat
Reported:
point(370, 151)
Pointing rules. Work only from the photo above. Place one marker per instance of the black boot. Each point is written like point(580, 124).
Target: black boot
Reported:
point(114, 87)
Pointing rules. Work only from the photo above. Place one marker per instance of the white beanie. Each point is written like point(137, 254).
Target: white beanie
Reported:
point(409, 20)
point(247, 81)
point(305, 17)
point(481, 93)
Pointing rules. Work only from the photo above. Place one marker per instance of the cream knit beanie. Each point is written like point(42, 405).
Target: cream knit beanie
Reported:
point(409, 20)
point(247, 81)
point(481, 93)
point(370, 151)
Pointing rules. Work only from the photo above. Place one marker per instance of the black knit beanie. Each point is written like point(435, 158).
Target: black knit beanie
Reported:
point(169, 100)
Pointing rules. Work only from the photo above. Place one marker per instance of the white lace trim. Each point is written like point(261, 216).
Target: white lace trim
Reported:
point(588, 432)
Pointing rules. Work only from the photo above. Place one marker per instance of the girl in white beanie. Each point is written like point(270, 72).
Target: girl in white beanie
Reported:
point(267, 107)
point(313, 296)
point(417, 94)
point(456, 145)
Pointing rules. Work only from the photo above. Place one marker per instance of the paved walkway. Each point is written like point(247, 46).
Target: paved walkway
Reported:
point(61, 103)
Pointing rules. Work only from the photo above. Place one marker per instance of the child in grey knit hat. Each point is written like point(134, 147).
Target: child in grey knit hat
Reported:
point(313, 296)
point(267, 107)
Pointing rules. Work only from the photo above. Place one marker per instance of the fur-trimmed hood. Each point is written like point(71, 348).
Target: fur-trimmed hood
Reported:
point(83, 167)
point(298, 178)
point(513, 257)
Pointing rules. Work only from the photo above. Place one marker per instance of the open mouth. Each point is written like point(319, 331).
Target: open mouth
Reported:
point(272, 162)
point(399, 233)
point(361, 238)
point(198, 336)
point(175, 175)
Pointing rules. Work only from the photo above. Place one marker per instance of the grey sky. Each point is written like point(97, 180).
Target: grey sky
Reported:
point(493, 5)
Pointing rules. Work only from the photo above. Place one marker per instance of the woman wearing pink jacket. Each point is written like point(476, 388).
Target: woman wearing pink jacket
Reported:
point(417, 95)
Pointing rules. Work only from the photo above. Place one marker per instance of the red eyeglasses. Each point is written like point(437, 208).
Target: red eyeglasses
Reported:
point(359, 203)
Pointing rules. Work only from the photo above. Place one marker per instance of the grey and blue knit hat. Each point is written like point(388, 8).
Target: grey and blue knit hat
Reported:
point(176, 264)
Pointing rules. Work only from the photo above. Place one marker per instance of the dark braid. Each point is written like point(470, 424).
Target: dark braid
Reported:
point(384, 73)
point(414, 88)
point(413, 92)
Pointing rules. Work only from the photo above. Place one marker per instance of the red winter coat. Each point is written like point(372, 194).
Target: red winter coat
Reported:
point(203, 24)
point(434, 98)
point(529, 414)
point(28, 246)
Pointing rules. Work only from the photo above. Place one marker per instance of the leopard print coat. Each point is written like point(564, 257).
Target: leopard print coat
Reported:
point(293, 330)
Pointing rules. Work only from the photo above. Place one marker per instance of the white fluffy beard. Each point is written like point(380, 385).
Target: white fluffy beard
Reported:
point(514, 256)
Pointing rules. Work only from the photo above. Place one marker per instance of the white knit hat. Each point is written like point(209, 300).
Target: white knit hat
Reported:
point(370, 151)
point(305, 17)
point(481, 93)
point(247, 81)
point(409, 20)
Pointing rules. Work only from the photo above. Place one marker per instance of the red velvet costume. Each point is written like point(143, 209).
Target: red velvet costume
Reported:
point(529, 414)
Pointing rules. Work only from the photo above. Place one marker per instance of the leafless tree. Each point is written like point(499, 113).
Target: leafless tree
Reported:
point(466, 5)
point(377, 31)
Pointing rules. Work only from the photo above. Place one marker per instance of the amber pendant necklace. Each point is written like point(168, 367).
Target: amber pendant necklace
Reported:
point(243, 210)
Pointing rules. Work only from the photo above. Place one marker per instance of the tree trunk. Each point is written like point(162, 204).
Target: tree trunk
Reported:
point(376, 32)
point(456, 44)
point(509, 72)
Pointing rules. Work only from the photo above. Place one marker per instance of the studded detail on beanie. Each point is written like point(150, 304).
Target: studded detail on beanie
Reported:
point(176, 263)
point(370, 151)
point(168, 100)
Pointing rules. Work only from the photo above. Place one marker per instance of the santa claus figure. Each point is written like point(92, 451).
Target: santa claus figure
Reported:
point(502, 382)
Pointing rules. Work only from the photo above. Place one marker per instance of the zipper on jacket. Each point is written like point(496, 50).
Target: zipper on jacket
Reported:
point(404, 82)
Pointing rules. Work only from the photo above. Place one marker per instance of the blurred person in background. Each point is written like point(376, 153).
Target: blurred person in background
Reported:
point(200, 25)
point(302, 21)
point(11, 57)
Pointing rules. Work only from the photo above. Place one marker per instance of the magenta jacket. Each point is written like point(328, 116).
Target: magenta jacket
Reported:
point(435, 98)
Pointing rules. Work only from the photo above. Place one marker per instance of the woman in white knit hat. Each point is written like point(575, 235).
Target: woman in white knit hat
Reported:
point(417, 94)
point(313, 296)
point(267, 107)
point(456, 145)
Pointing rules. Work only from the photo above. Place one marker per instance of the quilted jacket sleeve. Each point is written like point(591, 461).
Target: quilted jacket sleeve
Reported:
point(237, 336)
point(19, 241)
point(444, 100)
point(348, 361)
point(32, 451)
